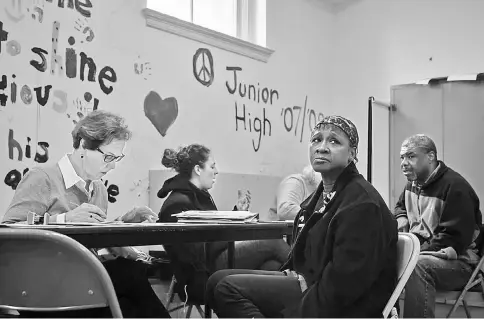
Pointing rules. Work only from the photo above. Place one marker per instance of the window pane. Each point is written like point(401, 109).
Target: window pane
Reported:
point(218, 15)
point(259, 22)
point(177, 8)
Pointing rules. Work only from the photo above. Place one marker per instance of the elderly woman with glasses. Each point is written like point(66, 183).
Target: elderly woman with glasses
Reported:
point(71, 191)
point(343, 261)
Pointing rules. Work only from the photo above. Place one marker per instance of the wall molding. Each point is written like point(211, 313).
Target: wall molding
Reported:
point(163, 22)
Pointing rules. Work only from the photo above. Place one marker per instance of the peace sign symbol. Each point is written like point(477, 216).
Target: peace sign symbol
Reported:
point(203, 66)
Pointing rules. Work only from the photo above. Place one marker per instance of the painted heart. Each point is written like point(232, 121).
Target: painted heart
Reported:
point(161, 112)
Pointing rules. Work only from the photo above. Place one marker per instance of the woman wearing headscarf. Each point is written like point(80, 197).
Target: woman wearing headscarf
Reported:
point(343, 260)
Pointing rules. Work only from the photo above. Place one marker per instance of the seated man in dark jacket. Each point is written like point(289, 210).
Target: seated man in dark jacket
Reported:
point(441, 208)
point(343, 262)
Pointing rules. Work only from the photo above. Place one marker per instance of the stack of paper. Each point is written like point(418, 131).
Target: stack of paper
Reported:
point(217, 216)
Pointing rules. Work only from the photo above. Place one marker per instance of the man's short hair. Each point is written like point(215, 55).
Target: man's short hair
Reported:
point(420, 141)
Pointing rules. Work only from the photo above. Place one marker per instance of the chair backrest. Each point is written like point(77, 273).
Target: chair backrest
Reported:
point(42, 270)
point(408, 248)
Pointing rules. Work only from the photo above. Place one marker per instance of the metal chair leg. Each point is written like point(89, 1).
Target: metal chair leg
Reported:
point(468, 314)
point(189, 311)
point(171, 292)
point(470, 284)
point(200, 310)
point(208, 311)
point(456, 303)
point(176, 308)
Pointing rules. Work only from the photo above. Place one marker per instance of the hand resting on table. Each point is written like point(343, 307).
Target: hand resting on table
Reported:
point(86, 213)
point(140, 214)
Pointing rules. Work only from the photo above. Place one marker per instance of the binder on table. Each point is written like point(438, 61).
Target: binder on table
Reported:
point(217, 216)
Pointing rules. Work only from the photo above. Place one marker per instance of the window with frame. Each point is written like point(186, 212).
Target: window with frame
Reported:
point(242, 19)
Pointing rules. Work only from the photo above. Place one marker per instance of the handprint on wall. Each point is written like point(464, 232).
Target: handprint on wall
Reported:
point(140, 186)
point(80, 108)
point(14, 48)
point(78, 115)
point(81, 26)
point(14, 12)
point(37, 10)
point(142, 68)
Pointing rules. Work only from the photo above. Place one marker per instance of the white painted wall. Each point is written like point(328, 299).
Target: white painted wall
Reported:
point(299, 32)
point(381, 43)
point(337, 56)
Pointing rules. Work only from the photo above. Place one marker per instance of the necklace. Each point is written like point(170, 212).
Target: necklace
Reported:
point(327, 196)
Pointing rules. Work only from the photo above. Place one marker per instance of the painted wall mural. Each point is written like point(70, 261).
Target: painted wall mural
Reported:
point(296, 119)
point(254, 101)
point(299, 119)
point(17, 152)
point(78, 61)
point(70, 65)
point(142, 68)
point(162, 113)
point(15, 9)
point(80, 67)
point(203, 67)
point(254, 94)
point(83, 27)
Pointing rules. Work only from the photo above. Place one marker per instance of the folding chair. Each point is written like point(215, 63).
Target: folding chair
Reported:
point(42, 270)
point(408, 247)
point(474, 289)
point(178, 271)
point(189, 304)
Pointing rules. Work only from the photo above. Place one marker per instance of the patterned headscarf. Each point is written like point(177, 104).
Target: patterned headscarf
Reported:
point(344, 124)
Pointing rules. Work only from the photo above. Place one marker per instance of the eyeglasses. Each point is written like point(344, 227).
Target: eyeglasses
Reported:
point(108, 158)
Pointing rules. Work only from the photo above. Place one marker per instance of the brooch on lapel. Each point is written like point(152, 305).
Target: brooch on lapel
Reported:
point(326, 201)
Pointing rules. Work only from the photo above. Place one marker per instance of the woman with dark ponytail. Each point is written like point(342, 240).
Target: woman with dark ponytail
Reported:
point(188, 190)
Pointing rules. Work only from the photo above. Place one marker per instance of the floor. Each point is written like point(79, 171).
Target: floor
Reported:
point(161, 289)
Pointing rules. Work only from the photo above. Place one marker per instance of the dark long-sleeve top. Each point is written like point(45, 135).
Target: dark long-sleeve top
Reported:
point(347, 251)
point(184, 196)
